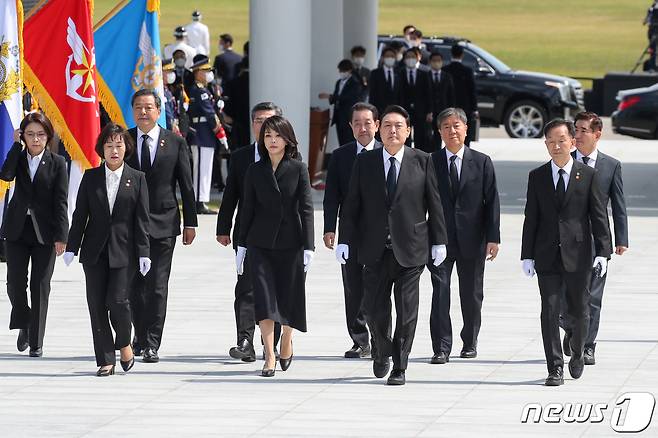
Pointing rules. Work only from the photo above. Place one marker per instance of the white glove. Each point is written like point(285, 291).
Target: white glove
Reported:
point(239, 259)
point(342, 253)
point(439, 254)
point(144, 265)
point(598, 261)
point(220, 104)
point(308, 258)
point(528, 267)
point(68, 257)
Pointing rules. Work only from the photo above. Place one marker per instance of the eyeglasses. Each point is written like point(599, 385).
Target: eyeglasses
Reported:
point(39, 135)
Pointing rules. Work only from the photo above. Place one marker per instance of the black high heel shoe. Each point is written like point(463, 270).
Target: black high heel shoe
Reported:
point(127, 365)
point(268, 372)
point(105, 372)
point(285, 363)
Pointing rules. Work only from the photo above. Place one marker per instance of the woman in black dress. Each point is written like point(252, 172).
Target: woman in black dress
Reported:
point(277, 231)
point(35, 226)
point(110, 223)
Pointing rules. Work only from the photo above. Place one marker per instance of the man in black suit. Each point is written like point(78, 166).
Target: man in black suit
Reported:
point(385, 218)
point(588, 133)
point(225, 63)
point(442, 95)
point(467, 183)
point(362, 73)
point(243, 305)
point(564, 208)
point(416, 98)
point(385, 83)
point(165, 159)
point(236, 111)
point(364, 124)
point(347, 92)
point(465, 95)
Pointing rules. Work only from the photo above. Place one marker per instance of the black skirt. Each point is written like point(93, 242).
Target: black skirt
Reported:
point(278, 279)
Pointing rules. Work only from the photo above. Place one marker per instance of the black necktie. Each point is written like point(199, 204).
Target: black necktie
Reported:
point(436, 77)
point(389, 79)
point(454, 177)
point(146, 154)
point(559, 188)
point(411, 78)
point(585, 160)
point(391, 180)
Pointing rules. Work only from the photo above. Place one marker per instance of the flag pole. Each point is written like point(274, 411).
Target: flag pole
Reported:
point(35, 8)
point(111, 14)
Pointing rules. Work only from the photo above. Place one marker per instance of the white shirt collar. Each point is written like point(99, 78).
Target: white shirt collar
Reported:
point(460, 154)
point(117, 172)
point(154, 134)
point(36, 158)
point(398, 156)
point(592, 157)
point(567, 168)
point(370, 146)
point(256, 154)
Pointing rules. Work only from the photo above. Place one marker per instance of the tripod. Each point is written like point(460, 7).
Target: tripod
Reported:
point(652, 43)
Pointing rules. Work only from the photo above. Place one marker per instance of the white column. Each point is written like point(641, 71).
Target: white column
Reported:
point(360, 28)
point(326, 52)
point(279, 60)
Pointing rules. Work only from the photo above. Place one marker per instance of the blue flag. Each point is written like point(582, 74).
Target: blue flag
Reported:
point(128, 58)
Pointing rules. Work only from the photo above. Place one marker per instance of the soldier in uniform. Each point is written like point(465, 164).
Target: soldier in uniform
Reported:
point(197, 34)
point(205, 123)
point(180, 34)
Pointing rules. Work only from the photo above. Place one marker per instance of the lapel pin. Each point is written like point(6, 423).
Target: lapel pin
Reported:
point(128, 183)
point(577, 175)
point(162, 143)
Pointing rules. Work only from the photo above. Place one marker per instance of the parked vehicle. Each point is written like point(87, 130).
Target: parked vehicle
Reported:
point(637, 113)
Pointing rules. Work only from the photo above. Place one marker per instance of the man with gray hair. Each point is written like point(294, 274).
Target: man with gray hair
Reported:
point(241, 159)
point(467, 184)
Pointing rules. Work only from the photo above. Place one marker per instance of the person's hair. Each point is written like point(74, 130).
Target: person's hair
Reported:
point(555, 123)
point(407, 27)
point(110, 131)
point(358, 49)
point(595, 122)
point(281, 126)
point(364, 106)
point(227, 38)
point(146, 92)
point(436, 55)
point(265, 106)
point(457, 51)
point(415, 51)
point(449, 112)
point(397, 109)
point(345, 65)
point(388, 49)
point(245, 48)
point(396, 45)
point(41, 119)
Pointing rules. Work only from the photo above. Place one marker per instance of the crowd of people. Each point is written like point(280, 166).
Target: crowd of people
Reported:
point(396, 207)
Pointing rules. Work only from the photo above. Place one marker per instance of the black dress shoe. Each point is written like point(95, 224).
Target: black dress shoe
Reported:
point(468, 353)
point(440, 358)
point(105, 372)
point(555, 377)
point(285, 363)
point(267, 372)
point(127, 365)
point(357, 352)
point(202, 208)
point(396, 378)
point(36, 352)
point(380, 367)
point(150, 355)
point(137, 349)
point(566, 346)
point(576, 366)
point(23, 340)
point(243, 351)
point(588, 356)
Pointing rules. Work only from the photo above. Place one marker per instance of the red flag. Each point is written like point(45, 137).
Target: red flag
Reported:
point(60, 72)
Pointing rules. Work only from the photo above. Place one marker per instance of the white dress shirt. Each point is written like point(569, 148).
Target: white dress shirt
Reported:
point(411, 72)
point(341, 85)
point(567, 168)
point(592, 157)
point(387, 71)
point(436, 75)
point(112, 179)
point(370, 146)
point(458, 160)
point(256, 154)
point(154, 135)
point(398, 162)
point(33, 163)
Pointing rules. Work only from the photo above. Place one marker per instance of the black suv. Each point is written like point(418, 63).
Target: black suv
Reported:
point(522, 101)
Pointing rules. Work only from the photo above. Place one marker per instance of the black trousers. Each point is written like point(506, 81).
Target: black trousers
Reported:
point(471, 293)
point(378, 279)
point(576, 295)
point(471, 132)
point(243, 306)
point(19, 255)
point(149, 294)
point(352, 273)
point(595, 299)
point(421, 139)
point(107, 299)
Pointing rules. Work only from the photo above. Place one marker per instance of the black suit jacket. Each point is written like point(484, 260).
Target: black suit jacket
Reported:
point(338, 182)
point(443, 93)
point(277, 211)
point(363, 75)
point(241, 159)
point(342, 102)
point(125, 231)
point(170, 166)
point(612, 187)
point(366, 212)
point(225, 65)
point(464, 81)
point(474, 219)
point(547, 228)
point(380, 94)
point(416, 98)
point(45, 197)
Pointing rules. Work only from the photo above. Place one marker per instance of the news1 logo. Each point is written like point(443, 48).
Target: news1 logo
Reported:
point(631, 413)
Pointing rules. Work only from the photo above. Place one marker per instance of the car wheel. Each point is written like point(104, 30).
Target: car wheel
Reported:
point(525, 119)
